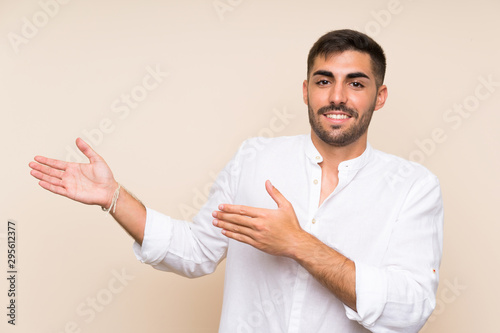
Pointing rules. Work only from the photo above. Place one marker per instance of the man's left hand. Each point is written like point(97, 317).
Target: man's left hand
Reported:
point(274, 231)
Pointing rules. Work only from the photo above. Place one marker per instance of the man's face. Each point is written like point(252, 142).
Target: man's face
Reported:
point(341, 95)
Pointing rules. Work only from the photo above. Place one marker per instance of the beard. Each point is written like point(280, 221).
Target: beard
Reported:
point(336, 136)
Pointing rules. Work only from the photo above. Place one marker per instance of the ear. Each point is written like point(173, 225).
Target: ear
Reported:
point(381, 97)
point(304, 91)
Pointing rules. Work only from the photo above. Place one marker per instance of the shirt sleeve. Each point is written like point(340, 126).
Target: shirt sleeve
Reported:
point(400, 295)
point(190, 249)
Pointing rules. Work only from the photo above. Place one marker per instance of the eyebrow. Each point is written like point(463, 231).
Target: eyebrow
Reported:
point(323, 73)
point(349, 76)
point(357, 74)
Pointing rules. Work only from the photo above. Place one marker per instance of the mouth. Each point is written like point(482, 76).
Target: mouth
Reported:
point(337, 117)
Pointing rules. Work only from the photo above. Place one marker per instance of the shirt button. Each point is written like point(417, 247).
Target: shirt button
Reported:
point(315, 181)
point(318, 157)
point(313, 221)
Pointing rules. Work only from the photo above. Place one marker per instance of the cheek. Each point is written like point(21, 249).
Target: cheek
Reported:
point(318, 98)
point(361, 102)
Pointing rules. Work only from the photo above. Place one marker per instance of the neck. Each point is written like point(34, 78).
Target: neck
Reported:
point(333, 156)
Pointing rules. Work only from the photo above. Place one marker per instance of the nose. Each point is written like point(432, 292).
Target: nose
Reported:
point(338, 94)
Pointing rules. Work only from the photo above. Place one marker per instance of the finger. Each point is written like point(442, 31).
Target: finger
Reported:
point(46, 170)
point(53, 188)
point(233, 219)
point(57, 164)
point(46, 178)
point(236, 228)
point(233, 228)
point(87, 150)
point(241, 210)
point(239, 237)
point(276, 195)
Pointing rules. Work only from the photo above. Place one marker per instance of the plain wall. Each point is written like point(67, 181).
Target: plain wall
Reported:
point(235, 70)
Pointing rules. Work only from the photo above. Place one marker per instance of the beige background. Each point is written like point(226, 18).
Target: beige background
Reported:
point(232, 71)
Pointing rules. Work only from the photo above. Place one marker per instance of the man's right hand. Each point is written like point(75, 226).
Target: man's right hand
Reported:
point(90, 183)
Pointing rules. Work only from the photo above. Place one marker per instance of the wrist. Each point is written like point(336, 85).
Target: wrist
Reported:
point(110, 193)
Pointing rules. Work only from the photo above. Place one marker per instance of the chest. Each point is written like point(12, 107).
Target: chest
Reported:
point(353, 214)
point(329, 182)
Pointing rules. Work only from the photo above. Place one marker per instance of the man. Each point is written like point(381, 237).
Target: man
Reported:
point(351, 241)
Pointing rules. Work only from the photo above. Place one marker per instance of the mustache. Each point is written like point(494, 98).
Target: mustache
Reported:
point(340, 107)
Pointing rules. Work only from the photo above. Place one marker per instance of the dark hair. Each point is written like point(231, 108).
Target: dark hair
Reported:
point(338, 41)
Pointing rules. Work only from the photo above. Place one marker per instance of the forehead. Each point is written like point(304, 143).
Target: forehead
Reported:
point(344, 63)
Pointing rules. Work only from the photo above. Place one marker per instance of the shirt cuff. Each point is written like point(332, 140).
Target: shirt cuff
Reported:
point(157, 235)
point(371, 295)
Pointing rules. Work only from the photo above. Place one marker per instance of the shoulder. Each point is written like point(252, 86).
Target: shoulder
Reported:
point(396, 169)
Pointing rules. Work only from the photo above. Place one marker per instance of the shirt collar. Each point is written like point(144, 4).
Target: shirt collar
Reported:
point(352, 164)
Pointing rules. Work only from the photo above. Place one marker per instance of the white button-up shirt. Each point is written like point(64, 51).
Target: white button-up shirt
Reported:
point(385, 214)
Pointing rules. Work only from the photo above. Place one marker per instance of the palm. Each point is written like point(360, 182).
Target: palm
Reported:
point(89, 183)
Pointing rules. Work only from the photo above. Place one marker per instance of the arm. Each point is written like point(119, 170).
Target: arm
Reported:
point(278, 232)
point(333, 270)
point(399, 293)
point(396, 295)
point(93, 184)
point(190, 249)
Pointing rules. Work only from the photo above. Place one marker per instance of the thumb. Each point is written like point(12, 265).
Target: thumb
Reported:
point(276, 195)
point(87, 150)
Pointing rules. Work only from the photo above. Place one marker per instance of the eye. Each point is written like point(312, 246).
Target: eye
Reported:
point(356, 84)
point(322, 82)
